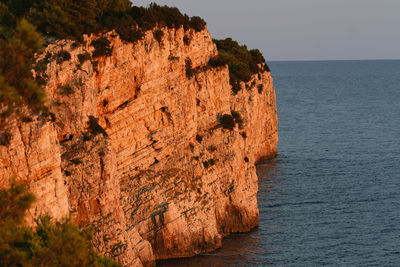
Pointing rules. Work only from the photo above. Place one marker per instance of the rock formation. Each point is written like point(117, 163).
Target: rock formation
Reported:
point(133, 146)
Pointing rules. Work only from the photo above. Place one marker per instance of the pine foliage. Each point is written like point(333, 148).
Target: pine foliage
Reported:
point(242, 63)
point(19, 42)
point(52, 244)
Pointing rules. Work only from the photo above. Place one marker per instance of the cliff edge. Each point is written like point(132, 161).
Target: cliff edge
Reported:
point(134, 146)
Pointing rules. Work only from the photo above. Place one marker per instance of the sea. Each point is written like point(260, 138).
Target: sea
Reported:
point(332, 195)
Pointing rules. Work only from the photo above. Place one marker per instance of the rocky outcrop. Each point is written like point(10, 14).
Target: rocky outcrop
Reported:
point(133, 146)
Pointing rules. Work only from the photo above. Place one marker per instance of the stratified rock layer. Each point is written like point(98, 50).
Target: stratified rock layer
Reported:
point(164, 179)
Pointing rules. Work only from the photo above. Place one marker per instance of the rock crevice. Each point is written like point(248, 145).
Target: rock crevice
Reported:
point(164, 179)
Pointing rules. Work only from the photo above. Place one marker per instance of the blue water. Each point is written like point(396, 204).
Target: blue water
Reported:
point(332, 196)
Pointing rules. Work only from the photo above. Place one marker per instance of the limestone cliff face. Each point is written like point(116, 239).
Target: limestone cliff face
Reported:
point(164, 179)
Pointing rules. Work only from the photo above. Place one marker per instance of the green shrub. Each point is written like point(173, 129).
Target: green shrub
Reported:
point(199, 138)
point(5, 139)
point(197, 23)
point(227, 122)
point(236, 116)
point(188, 68)
point(62, 19)
point(76, 161)
point(52, 244)
point(66, 89)
point(41, 65)
point(253, 83)
point(63, 56)
point(208, 163)
point(242, 62)
point(75, 45)
point(26, 119)
point(212, 148)
point(173, 58)
point(131, 35)
point(95, 127)
point(158, 35)
point(217, 62)
point(101, 47)
point(123, 24)
point(186, 40)
point(95, 65)
point(40, 80)
point(260, 88)
point(258, 58)
point(19, 43)
point(235, 83)
point(69, 21)
point(84, 57)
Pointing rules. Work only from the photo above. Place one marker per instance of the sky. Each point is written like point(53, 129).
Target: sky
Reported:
point(302, 29)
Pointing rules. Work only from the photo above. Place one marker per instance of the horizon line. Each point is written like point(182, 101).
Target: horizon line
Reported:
point(318, 60)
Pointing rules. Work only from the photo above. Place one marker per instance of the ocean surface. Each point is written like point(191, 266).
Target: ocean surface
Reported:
point(332, 196)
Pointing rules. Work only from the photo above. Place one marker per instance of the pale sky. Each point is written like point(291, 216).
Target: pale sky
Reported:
point(303, 29)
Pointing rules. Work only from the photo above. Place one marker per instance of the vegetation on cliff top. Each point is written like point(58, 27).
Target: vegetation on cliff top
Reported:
point(52, 244)
point(24, 22)
point(70, 19)
point(242, 63)
point(19, 42)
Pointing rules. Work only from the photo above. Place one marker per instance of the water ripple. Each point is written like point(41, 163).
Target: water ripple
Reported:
point(331, 197)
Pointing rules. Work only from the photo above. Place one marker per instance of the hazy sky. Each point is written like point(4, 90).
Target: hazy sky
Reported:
point(303, 29)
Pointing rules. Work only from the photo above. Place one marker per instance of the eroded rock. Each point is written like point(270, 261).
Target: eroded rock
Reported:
point(160, 178)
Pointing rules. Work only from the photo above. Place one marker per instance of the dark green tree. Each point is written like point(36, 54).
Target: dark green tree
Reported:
point(14, 238)
point(242, 63)
point(21, 21)
point(227, 122)
point(52, 244)
point(19, 42)
point(66, 19)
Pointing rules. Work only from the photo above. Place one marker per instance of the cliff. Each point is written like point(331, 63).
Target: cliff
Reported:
point(133, 146)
